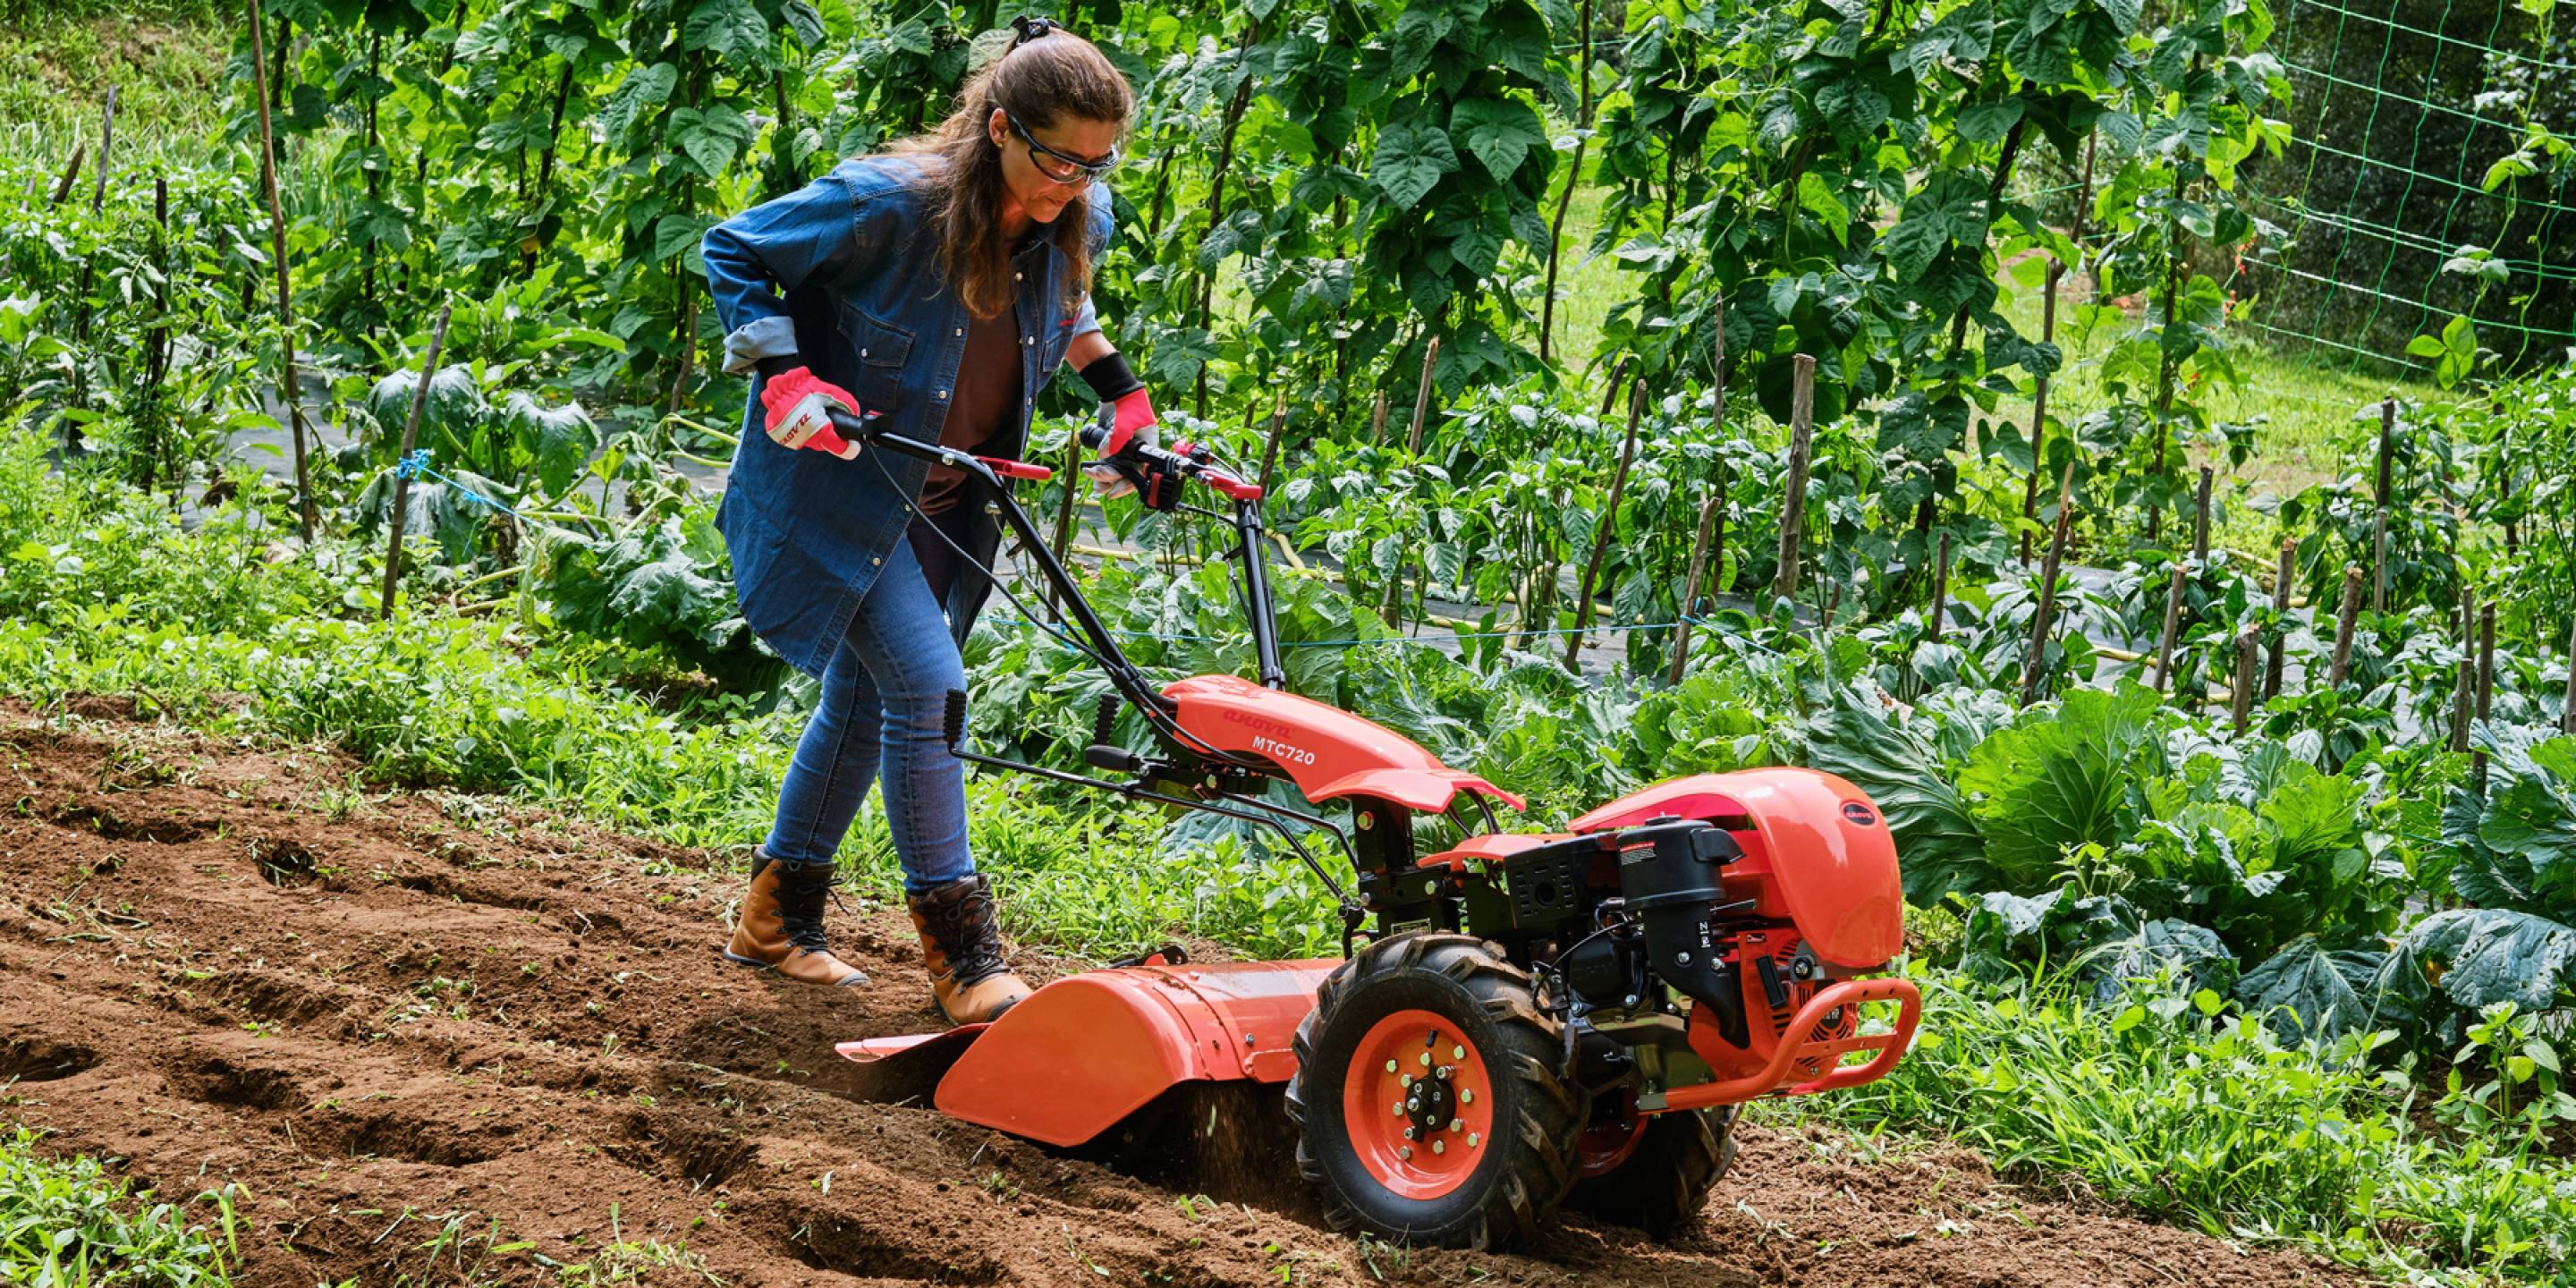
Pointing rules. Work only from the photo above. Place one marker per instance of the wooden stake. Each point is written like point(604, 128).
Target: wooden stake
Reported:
point(2567, 704)
point(2040, 621)
point(1270, 453)
point(2242, 696)
point(2464, 695)
point(688, 337)
point(1377, 420)
point(1690, 588)
point(2379, 520)
point(106, 140)
point(1608, 527)
point(2173, 589)
point(292, 391)
point(1793, 497)
point(71, 173)
point(1618, 377)
point(1422, 396)
point(402, 483)
point(2486, 686)
point(1940, 591)
point(2344, 621)
point(2274, 664)
point(2048, 334)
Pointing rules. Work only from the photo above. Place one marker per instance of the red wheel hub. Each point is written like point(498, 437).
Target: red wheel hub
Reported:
point(1607, 1143)
point(1418, 1104)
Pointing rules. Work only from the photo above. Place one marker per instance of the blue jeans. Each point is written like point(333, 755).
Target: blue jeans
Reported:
point(884, 705)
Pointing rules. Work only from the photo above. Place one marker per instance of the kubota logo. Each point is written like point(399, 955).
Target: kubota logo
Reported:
point(1282, 752)
point(1858, 813)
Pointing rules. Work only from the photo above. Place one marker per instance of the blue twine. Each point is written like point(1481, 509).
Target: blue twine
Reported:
point(415, 463)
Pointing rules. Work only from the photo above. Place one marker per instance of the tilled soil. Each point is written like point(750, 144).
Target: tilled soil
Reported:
point(441, 1040)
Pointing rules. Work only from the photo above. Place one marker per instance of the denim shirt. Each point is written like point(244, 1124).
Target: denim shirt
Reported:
point(845, 275)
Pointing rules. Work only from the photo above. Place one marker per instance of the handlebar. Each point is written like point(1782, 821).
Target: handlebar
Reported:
point(1157, 472)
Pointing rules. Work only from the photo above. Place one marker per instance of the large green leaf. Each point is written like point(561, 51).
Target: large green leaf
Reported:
point(2486, 955)
point(731, 29)
point(2062, 779)
point(455, 407)
point(2194, 953)
point(1499, 131)
point(558, 440)
point(2307, 990)
point(1937, 846)
point(644, 89)
point(1411, 158)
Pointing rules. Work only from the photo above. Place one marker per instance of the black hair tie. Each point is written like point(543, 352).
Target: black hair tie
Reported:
point(1031, 29)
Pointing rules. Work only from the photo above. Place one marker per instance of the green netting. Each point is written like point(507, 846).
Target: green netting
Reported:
point(2401, 108)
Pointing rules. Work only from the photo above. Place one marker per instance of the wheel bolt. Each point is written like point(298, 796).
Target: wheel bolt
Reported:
point(1472, 1142)
point(1408, 1134)
point(1466, 1095)
point(1426, 1059)
point(1455, 1123)
point(1457, 1053)
point(1390, 1066)
point(1399, 1109)
point(1443, 1072)
point(1439, 1147)
point(1404, 1080)
point(1404, 1152)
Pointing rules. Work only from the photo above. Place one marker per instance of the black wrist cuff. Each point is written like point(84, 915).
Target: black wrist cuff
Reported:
point(1109, 377)
point(773, 367)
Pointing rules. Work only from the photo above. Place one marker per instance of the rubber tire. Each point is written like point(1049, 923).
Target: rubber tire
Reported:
point(1661, 1188)
point(1530, 1162)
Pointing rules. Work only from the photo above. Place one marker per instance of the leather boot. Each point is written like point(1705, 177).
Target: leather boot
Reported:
point(961, 947)
point(781, 924)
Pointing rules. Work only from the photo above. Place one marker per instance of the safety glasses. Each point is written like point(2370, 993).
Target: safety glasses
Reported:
point(1056, 165)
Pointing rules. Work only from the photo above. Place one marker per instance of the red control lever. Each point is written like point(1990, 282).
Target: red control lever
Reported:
point(1011, 469)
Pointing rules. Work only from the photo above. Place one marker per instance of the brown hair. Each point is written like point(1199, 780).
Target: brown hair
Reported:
point(1040, 82)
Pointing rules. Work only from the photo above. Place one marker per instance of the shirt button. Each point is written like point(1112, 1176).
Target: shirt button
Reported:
point(875, 560)
point(863, 353)
point(961, 330)
point(943, 393)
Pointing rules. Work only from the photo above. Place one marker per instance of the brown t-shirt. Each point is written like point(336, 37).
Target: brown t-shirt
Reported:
point(979, 408)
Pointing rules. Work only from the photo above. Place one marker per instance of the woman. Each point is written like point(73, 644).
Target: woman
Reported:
point(940, 283)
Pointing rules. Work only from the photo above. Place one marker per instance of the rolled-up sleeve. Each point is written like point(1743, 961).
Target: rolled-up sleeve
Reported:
point(758, 256)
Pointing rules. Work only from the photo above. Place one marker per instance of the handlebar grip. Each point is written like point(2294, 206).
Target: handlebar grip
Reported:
point(1094, 434)
point(857, 429)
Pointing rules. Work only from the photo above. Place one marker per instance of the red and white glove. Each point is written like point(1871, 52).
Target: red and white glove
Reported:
point(797, 401)
point(1131, 420)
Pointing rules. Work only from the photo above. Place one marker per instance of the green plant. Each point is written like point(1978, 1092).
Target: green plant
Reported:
point(68, 1222)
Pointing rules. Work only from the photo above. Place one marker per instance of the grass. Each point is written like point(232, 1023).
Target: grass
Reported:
point(56, 61)
point(67, 1222)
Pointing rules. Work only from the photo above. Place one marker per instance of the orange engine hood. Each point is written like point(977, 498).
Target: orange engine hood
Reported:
point(1822, 840)
point(1328, 752)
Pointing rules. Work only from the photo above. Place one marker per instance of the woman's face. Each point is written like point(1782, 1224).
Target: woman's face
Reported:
point(1040, 195)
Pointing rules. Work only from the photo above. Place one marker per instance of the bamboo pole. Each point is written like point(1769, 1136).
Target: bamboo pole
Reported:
point(2275, 663)
point(2040, 621)
point(106, 140)
point(292, 390)
point(1940, 591)
point(2048, 334)
point(1690, 588)
point(2344, 622)
point(1793, 498)
point(2241, 695)
point(402, 482)
point(71, 172)
point(2486, 686)
point(2567, 704)
point(2464, 694)
point(1608, 526)
point(2379, 519)
point(1377, 420)
point(1270, 451)
point(2173, 590)
point(1712, 512)
point(1422, 396)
